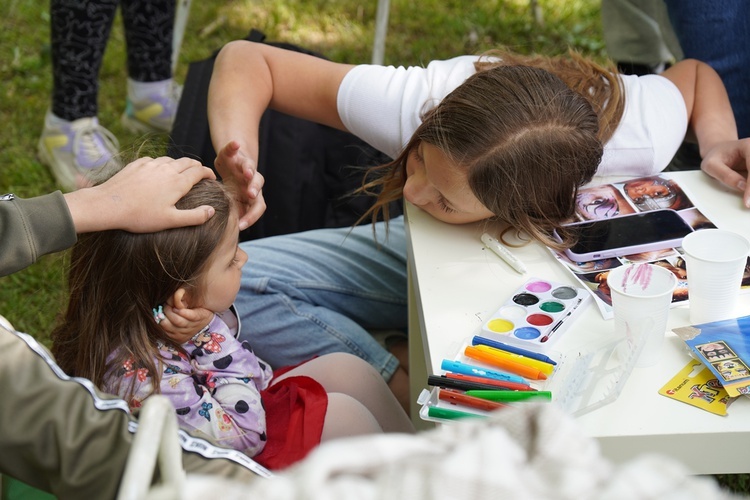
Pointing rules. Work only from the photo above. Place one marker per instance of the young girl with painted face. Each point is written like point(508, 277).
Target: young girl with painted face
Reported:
point(126, 288)
point(505, 138)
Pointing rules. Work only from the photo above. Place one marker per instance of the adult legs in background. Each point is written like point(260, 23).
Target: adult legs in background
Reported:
point(718, 33)
point(359, 400)
point(152, 95)
point(322, 291)
point(638, 36)
point(73, 143)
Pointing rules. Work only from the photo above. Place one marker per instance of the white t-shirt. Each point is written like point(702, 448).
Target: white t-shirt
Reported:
point(384, 105)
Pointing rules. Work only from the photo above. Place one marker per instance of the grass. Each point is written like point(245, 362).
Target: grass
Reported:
point(343, 30)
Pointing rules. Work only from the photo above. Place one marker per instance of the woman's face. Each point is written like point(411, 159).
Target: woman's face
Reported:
point(439, 187)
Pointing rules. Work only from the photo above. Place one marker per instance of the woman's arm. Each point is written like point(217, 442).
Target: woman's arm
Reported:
point(141, 197)
point(711, 123)
point(248, 78)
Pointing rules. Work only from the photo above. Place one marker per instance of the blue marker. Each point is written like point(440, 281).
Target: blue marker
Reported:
point(467, 369)
point(512, 349)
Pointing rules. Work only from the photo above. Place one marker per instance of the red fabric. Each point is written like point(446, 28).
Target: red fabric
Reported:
point(295, 411)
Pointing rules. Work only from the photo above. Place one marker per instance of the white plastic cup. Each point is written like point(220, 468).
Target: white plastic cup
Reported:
point(641, 295)
point(715, 261)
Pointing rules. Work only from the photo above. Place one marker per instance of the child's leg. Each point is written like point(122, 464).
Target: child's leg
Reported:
point(346, 417)
point(349, 375)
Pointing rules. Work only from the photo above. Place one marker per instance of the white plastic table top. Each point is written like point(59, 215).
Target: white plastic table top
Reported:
point(455, 284)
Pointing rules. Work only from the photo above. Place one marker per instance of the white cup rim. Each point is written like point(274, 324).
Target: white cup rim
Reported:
point(689, 242)
point(615, 288)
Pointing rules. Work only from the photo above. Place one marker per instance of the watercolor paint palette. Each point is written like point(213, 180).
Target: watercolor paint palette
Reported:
point(537, 314)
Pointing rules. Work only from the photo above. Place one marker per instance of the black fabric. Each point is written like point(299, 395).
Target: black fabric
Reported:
point(310, 169)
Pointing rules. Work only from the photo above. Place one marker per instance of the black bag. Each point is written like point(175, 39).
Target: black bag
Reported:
point(310, 169)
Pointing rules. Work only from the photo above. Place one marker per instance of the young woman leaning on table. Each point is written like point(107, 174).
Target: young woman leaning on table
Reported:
point(500, 137)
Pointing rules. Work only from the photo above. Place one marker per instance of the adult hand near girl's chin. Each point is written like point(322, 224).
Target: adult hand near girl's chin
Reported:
point(236, 168)
point(728, 163)
point(181, 325)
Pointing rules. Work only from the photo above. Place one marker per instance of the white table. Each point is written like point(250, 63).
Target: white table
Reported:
point(455, 284)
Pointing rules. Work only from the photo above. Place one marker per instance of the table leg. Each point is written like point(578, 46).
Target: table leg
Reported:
point(417, 364)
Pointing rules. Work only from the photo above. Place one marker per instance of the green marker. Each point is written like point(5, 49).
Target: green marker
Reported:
point(510, 396)
point(448, 414)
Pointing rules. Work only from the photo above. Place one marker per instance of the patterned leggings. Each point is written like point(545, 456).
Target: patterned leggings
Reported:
point(79, 33)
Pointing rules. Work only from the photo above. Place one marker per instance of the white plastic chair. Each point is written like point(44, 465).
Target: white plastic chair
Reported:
point(156, 439)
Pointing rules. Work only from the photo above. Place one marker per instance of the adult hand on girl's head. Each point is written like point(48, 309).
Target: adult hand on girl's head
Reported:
point(728, 163)
point(181, 325)
point(141, 197)
point(239, 169)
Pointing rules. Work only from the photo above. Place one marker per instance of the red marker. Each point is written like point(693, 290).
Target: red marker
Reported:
point(456, 397)
point(513, 386)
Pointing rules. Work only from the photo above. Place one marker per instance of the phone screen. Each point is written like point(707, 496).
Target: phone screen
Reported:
point(642, 232)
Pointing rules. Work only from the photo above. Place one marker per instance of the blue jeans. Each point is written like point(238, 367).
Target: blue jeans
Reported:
point(718, 33)
point(320, 291)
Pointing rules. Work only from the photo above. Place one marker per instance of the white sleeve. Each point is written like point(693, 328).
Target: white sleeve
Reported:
point(652, 128)
point(384, 105)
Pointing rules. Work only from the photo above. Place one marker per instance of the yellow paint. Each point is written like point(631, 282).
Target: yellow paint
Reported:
point(500, 325)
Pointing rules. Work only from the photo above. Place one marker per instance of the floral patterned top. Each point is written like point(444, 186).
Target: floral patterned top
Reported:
point(215, 389)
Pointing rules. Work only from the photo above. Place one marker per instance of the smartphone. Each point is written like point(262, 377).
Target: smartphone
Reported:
point(628, 234)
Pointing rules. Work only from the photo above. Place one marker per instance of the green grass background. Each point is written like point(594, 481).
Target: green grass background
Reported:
point(343, 30)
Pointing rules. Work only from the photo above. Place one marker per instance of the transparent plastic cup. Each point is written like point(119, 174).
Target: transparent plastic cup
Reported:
point(715, 261)
point(641, 295)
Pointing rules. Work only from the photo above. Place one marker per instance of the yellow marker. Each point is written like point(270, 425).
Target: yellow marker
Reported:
point(543, 367)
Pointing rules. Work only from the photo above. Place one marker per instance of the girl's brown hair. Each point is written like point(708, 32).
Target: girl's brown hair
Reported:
point(115, 280)
point(527, 131)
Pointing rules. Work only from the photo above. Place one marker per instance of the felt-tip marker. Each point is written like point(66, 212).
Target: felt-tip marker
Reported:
point(543, 367)
point(459, 398)
point(461, 385)
point(511, 396)
point(477, 340)
point(504, 364)
point(467, 369)
point(449, 414)
point(500, 384)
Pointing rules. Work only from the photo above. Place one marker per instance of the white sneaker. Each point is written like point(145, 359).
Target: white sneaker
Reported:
point(75, 150)
point(152, 106)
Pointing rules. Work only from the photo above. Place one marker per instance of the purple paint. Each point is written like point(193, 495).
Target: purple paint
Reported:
point(538, 286)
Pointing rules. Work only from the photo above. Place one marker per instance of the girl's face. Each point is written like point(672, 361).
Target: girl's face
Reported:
point(439, 187)
point(221, 281)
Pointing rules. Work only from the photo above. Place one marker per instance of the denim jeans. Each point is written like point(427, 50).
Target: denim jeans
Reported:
point(321, 291)
point(718, 33)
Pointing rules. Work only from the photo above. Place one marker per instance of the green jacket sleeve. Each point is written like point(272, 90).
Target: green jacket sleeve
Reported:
point(63, 436)
point(30, 228)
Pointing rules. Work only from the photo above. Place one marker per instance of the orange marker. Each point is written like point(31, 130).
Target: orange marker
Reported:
point(504, 364)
